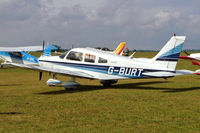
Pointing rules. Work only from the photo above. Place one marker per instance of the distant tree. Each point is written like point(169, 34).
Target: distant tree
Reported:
point(105, 49)
point(58, 47)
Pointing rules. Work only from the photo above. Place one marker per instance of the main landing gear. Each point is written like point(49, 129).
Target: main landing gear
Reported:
point(108, 83)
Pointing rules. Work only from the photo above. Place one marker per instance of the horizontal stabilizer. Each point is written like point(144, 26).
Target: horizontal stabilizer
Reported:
point(162, 74)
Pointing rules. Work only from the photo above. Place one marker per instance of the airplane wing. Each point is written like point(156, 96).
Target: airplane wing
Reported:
point(59, 71)
point(168, 74)
point(26, 48)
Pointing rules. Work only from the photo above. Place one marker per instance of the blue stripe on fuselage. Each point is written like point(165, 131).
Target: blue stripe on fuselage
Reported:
point(124, 71)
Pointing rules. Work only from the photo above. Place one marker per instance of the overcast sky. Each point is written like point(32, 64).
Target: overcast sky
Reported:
point(143, 24)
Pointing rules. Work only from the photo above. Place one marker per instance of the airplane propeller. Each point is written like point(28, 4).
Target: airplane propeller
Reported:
point(43, 43)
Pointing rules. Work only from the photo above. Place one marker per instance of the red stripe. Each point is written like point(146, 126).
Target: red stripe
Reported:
point(186, 57)
point(195, 63)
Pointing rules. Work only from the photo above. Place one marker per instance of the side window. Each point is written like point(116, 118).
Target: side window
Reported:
point(62, 56)
point(102, 60)
point(90, 58)
point(18, 54)
point(77, 56)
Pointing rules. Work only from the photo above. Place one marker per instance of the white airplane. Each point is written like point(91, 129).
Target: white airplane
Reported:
point(92, 63)
point(195, 56)
point(20, 55)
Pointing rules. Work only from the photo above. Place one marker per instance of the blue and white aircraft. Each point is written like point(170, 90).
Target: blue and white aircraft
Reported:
point(20, 55)
point(109, 68)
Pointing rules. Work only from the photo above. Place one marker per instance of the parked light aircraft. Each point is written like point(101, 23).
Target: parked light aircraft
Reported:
point(108, 68)
point(195, 56)
point(20, 55)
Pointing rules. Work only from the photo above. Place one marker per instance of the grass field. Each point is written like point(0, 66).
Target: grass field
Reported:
point(142, 105)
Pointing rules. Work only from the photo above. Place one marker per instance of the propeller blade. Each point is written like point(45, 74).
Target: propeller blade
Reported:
point(40, 76)
point(43, 43)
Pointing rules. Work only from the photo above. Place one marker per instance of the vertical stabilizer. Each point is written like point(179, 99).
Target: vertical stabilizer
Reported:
point(47, 50)
point(120, 48)
point(169, 54)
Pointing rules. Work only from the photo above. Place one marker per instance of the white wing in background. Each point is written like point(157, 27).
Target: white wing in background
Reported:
point(19, 49)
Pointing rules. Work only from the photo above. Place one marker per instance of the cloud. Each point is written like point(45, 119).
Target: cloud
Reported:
point(94, 23)
point(156, 19)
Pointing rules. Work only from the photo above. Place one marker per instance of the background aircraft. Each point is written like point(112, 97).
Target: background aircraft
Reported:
point(107, 67)
point(195, 56)
point(20, 55)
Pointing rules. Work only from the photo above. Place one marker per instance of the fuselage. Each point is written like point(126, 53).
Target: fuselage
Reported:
point(102, 65)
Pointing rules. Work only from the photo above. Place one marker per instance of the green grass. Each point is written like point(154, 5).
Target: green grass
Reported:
point(142, 105)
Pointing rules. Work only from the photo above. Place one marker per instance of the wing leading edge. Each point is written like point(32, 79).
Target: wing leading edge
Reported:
point(59, 71)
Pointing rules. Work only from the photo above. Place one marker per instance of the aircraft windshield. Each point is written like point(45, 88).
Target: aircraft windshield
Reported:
point(16, 54)
point(77, 56)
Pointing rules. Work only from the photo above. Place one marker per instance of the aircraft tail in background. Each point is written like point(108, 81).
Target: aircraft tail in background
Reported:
point(48, 49)
point(120, 48)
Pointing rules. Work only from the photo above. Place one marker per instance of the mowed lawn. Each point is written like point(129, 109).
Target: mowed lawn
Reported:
point(142, 105)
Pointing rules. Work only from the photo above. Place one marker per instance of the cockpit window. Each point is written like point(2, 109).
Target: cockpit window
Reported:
point(90, 58)
point(102, 60)
point(62, 56)
point(16, 54)
point(77, 56)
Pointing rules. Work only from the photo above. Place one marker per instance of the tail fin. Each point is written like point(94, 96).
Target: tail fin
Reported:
point(47, 50)
point(169, 54)
point(120, 48)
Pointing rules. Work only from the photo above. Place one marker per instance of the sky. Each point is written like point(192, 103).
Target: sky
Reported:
point(143, 24)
